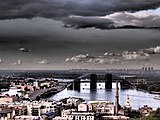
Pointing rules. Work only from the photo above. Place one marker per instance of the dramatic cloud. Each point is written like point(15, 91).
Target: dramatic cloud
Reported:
point(128, 55)
point(135, 55)
point(142, 19)
point(138, 19)
point(10, 9)
point(111, 54)
point(79, 58)
point(153, 50)
point(85, 22)
point(109, 58)
point(103, 61)
point(90, 59)
point(81, 14)
point(44, 61)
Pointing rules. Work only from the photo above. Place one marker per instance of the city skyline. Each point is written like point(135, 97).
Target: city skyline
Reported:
point(70, 34)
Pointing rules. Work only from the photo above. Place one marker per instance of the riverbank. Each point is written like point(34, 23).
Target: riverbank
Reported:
point(146, 91)
point(152, 89)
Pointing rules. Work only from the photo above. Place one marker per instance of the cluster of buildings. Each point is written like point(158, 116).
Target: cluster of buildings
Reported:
point(18, 108)
point(31, 84)
point(25, 84)
point(66, 109)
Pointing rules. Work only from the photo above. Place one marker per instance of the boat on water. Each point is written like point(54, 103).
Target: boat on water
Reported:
point(4, 90)
point(157, 97)
point(154, 92)
point(13, 87)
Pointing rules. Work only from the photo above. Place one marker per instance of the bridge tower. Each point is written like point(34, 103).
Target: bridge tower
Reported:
point(77, 84)
point(108, 81)
point(93, 81)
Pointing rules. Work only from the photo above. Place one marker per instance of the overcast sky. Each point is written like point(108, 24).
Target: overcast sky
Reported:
point(69, 34)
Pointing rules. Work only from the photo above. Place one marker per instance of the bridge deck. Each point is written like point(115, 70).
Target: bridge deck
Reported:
point(41, 92)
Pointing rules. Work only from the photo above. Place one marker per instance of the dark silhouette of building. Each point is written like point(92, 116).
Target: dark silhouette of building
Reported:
point(108, 81)
point(93, 81)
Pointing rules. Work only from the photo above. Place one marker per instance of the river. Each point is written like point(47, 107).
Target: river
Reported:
point(137, 98)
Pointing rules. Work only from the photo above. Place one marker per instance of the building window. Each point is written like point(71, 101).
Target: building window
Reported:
point(35, 112)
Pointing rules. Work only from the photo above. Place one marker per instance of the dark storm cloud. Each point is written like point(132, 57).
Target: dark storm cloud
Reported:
point(85, 22)
point(10, 9)
point(118, 20)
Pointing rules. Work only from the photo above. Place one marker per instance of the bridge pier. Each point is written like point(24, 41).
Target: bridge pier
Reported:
point(108, 81)
point(93, 82)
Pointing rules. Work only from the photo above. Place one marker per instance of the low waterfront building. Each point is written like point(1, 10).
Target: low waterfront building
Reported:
point(72, 114)
point(26, 87)
point(26, 109)
point(145, 111)
point(33, 109)
point(47, 83)
point(105, 109)
point(35, 83)
point(19, 110)
point(6, 114)
point(36, 108)
point(102, 107)
point(67, 114)
point(83, 107)
point(6, 99)
point(73, 101)
point(83, 115)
